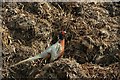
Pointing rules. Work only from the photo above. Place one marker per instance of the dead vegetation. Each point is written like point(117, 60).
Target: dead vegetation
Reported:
point(92, 39)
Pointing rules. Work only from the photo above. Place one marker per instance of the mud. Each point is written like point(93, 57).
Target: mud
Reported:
point(92, 48)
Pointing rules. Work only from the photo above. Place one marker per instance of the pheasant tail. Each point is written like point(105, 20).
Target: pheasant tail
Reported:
point(29, 59)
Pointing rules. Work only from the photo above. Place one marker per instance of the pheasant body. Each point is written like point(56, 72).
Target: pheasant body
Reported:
point(55, 51)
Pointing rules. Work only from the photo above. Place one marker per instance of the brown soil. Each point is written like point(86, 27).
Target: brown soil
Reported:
point(92, 48)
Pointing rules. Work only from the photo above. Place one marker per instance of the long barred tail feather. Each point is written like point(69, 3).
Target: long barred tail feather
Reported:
point(29, 59)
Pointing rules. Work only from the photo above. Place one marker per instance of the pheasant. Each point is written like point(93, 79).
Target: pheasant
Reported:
point(53, 52)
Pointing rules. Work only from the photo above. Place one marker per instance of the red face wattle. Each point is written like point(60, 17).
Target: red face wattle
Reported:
point(61, 35)
point(63, 32)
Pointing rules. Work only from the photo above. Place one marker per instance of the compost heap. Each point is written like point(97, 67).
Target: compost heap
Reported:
point(92, 48)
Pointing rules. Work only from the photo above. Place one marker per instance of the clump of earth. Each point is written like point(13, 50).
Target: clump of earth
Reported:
point(92, 48)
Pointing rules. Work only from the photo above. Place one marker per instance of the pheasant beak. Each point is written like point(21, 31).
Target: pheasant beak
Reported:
point(65, 32)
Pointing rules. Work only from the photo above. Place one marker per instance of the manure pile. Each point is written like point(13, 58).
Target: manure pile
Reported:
point(92, 48)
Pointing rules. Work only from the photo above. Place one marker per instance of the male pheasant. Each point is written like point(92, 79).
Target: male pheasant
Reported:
point(53, 52)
